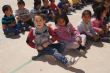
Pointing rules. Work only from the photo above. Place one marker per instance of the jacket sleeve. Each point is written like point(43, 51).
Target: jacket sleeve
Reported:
point(30, 39)
point(53, 35)
point(74, 31)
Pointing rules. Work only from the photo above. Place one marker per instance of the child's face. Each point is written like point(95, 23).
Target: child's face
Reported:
point(21, 6)
point(39, 22)
point(86, 18)
point(8, 12)
point(61, 22)
point(46, 3)
point(104, 13)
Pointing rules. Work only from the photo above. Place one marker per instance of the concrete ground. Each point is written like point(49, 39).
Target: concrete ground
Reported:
point(15, 54)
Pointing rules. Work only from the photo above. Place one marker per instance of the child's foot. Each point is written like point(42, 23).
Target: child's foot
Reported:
point(71, 61)
point(82, 51)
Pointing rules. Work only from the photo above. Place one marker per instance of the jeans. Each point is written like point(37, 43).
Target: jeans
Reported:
point(55, 50)
point(11, 30)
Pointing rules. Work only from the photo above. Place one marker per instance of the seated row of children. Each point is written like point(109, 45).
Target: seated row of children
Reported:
point(65, 34)
point(23, 18)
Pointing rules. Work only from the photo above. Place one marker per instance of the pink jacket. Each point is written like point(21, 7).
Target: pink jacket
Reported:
point(66, 34)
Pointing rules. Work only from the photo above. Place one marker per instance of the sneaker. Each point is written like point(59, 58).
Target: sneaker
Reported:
point(71, 61)
point(82, 51)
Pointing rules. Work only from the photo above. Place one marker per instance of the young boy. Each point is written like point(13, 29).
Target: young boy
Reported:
point(39, 38)
point(85, 26)
point(54, 7)
point(8, 21)
point(46, 10)
point(36, 9)
point(23, 16)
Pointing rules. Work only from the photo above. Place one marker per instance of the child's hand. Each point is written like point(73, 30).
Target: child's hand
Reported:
point(45, 44)
point(39, 48)
point(78, 39)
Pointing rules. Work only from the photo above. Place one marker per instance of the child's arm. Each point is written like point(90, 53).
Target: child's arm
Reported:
point(30, 39)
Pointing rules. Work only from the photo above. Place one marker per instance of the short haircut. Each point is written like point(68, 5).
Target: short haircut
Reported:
point(21, 2)
point(86, 12)
point(41, 15)
point(6, 8)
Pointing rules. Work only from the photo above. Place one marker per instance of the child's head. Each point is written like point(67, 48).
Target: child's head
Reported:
point(52, 1)
point(39, 20)
point(86, 16)
point(106, 3)
point(61, 20)
point(37, 4)
point(7, 10)
point(21, 4)
point(45, 3)
point(101, 12)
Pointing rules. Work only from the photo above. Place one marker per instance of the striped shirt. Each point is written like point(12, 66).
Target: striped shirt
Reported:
point(8, 20)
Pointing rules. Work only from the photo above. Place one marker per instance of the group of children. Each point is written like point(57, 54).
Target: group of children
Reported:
point(43, 38)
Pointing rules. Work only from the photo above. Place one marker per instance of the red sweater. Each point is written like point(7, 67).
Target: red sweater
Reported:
point(31, 37)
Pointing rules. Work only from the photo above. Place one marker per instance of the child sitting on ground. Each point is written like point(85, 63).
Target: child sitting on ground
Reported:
point(39, 38)
point(8, 21)
point(46, 10)
point(23, 16)
point(36, 9)
point(68, 35)
point(85, 26)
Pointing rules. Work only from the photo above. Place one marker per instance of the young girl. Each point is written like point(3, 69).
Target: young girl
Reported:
point(85, 26)
point(98, 22)
point(68, 35)
point(39, 38)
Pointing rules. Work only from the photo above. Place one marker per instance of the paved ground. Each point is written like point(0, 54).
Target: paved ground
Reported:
point(15, 55)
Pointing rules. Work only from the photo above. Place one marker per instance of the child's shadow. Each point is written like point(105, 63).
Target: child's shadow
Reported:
point(51, 60)
point(13, 37)
point(94, 43)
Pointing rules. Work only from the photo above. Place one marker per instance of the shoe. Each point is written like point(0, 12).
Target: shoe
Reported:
point(82, 51)
point(71, 61)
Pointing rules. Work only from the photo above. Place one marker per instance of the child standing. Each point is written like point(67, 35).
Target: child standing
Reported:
point(43, 43)
point(8, 21)
point(23, 16)
point(68, 35)
point(85, 26)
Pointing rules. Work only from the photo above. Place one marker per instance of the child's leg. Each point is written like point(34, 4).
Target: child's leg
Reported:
point(56, 55)
point(83, 37)
point(72, 45)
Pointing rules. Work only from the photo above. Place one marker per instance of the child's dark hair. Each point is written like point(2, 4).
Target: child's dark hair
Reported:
point(86, 12)
point(21, 2)
point(41, 15)
point(51, 0)
point(36, 3)
point(65, 17)
point(6, 8)
point(99, 10)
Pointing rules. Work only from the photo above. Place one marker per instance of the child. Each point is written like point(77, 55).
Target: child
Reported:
point(98, 22)
point(65, 6)
point(8, 21)
point(43, 43)
point(54, 8)
point(23, 16)
point(68, 35)
point(85, 26)
point(46, 10)
point(36, 9)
